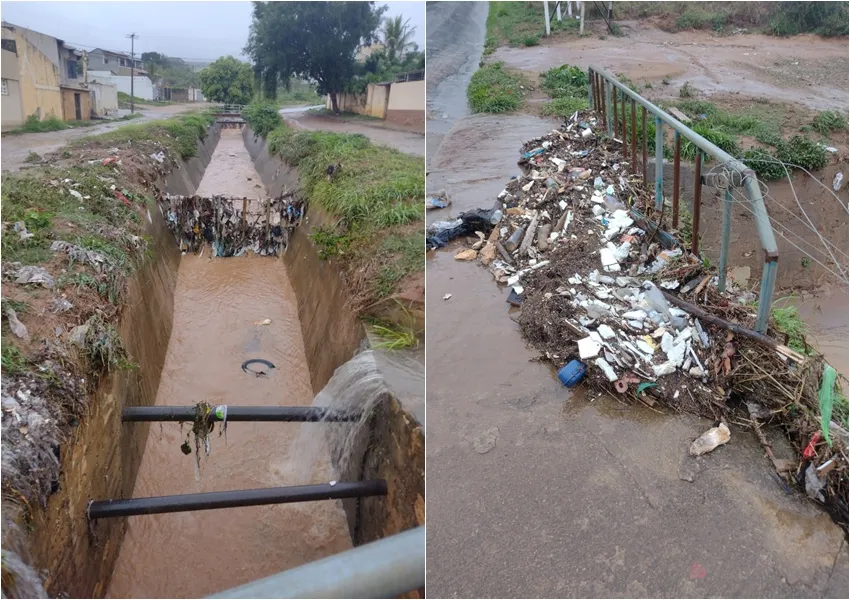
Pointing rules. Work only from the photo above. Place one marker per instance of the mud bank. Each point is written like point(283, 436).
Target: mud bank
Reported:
point(102, 458)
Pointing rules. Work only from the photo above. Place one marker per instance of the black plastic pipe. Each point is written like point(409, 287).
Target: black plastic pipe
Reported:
point(106, 509)
point(303, 414)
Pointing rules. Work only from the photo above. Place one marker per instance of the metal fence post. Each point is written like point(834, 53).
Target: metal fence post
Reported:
point(659, 165)
point(724, 239)
point(608, 89)
point(590, 97)
point(768, 282)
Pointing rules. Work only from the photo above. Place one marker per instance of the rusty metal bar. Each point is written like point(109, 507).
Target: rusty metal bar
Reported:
point(607, 86)
point(625, 136)
point(659, 164)
point(634, 137)
point(726, 231)
point(643, 140)
point(616, 116)
point(677, 150)
point(697, 203)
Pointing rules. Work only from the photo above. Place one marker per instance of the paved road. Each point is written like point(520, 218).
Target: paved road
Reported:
point(537, 492)
point(15, 148)
point(404, 141)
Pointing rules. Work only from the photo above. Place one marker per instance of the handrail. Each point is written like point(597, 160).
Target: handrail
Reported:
point(385, 568)
point(603, 91)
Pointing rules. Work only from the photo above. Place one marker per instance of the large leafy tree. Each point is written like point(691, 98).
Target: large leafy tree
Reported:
point(316, 41)
point(397, 36)
point(227, 80)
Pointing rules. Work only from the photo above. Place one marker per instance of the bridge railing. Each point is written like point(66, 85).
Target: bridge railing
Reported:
point(609, 97)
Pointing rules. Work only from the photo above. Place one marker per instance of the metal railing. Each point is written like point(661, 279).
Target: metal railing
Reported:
point(604, 91)
point(386, 568)
point(228, 109)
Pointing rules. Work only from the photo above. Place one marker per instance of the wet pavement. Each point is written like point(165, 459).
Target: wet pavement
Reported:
point(16, 148)
point(403, 141)
point(536, 491)
point(219, 307)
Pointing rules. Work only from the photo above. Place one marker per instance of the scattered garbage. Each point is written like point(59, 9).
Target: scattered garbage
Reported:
point(447, 296)
point(836, 181)
point(158, 156)
point(263, 322)
point(439, 200)
point(36, 275)
point(572, 373)
point(76, 194)
point(15, 325)
point(439, 234)
point(259, 361)
point(110, 160)
point(603, 284)
point(232, 226)
point(711, 439)
point(21, 229)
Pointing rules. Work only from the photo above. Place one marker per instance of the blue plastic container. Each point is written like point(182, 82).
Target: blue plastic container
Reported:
point(572, 373)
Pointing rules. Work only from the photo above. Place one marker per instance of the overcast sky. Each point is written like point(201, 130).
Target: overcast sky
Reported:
point(192, 30)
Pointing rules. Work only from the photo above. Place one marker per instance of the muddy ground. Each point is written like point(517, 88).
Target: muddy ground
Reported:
point(403, 141)
point(804, 69)
point(537, 491)
point(16, 148)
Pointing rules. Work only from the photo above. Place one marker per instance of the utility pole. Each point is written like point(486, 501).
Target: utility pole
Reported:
point(558, 10)
point(546, 15)
point(132, 37)
point(581, 26)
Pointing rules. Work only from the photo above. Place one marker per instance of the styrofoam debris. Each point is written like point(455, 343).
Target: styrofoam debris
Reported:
point(598, 210)
point(602, 294)
point(575, 279)
point(644, 347)
point(667, 342)
point(606, 332)
point(676, 354)
point(670, 285)
point(608, 258)
point(664, 369)
point(636, 324)
point(609, 371)
point(658, 332)
point(696, 372)
point(622, 251)
point(588, 348)
point(637, 315)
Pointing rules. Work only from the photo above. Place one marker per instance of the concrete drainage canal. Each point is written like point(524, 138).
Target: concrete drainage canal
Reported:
point(270, 408)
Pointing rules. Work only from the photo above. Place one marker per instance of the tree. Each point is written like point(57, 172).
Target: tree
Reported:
point(316, 41)
point(398, 38)
point(227, 80)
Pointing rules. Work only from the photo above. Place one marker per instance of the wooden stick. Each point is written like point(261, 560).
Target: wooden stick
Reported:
point(505, 254)
point(734, 327)
point(529, 236)
point(701, 285)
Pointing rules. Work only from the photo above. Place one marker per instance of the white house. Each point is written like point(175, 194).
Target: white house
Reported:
point(142, 85)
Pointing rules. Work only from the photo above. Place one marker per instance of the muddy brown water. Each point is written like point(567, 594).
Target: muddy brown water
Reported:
point(218, 305)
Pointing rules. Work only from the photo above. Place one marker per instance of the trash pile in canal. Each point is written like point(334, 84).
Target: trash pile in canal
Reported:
point(607, 296)
point(232, 226)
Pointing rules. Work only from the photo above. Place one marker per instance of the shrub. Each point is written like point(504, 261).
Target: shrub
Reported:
point(262, 116)
point(766, 166)
point(530, 40)
point(494, 90)
point(566, 80)
point(687, 91)
point(828, 121)
point(802, 152)
point(722, 140)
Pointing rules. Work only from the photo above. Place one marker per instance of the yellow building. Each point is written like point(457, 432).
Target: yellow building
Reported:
point(31, 75)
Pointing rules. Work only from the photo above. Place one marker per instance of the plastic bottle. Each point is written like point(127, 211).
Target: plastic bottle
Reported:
point(515, 239)
point(496, 217)
point(598, 183)
point(656, 299)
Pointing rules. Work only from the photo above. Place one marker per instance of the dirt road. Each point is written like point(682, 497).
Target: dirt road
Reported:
point(15, 148)
point(804, 69)
point(537, 492)
point(404, 141)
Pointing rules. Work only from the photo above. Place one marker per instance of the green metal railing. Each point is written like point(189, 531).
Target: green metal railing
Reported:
point(605, 93)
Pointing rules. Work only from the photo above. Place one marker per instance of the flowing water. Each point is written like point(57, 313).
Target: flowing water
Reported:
point(219, 309)
point(356, 386)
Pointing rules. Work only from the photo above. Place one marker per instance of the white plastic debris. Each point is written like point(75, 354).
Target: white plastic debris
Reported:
point(588, 348)
point(696, 373)
point(622, 251)
point(644, 347)
point(637, 315)
point(711, 439)
point(676, 354)
point(608, 257)
point(607, 369)
point(35, 275)
point(814, 484)
point(598, 210)
point(586, 133)
point(18, 328)
point(836, 182)
point(158, 157)
point(636, 324)
point(527, 186)
point(664, 369)
point(447, 296)
point(670, 285)
point(606, 332)
point(76, 194)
